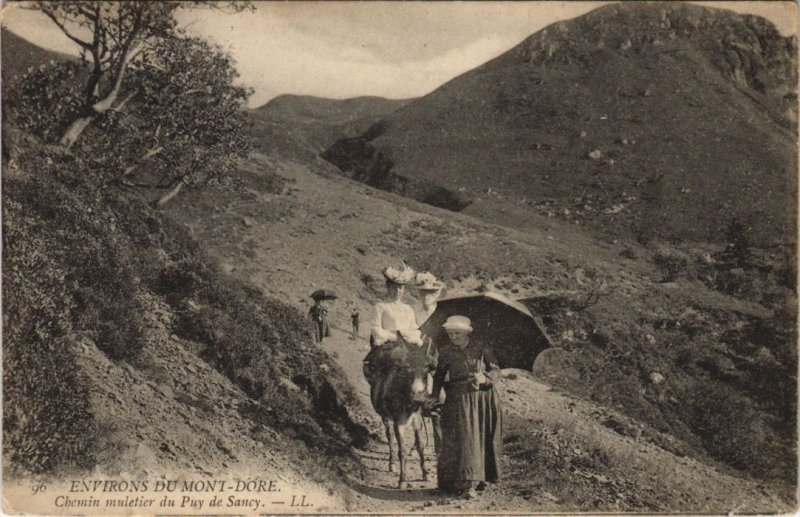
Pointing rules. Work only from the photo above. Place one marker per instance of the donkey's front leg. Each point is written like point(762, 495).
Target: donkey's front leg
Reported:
point(401, 452)
point(419, 446)
point(388, 430)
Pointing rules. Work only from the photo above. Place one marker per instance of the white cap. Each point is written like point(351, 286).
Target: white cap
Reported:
point(458, 323)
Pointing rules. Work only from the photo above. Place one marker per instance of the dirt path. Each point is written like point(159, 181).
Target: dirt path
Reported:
point(560, 455)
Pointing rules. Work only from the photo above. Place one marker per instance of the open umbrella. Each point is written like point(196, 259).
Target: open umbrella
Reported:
point(506, 326)
point(323, 294)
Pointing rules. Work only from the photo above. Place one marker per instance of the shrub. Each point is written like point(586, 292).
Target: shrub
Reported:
point(734, 431)
point(260, 343)
point(737, 249)
point(46, 99)
point(79, 230)
point(46, 414)
point(671, 263)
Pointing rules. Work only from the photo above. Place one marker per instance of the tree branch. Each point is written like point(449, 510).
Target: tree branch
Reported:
point(63, 28)
point(87, 13)
point(125, 101)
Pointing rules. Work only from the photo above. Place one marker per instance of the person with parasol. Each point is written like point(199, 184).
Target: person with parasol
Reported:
point(471, 417)
point(318, 313)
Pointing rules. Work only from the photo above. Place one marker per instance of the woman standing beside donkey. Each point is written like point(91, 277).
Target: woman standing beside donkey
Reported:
point(471, 418)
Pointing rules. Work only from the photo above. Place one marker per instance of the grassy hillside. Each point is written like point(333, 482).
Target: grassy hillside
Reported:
point(91, 269)
point(639, 119)
point(18, 55)
point(298, 126)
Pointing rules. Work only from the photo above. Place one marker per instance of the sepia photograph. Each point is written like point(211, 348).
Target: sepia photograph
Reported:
point(399, 258)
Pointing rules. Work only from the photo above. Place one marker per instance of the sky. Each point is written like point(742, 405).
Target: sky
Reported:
point(348, 49)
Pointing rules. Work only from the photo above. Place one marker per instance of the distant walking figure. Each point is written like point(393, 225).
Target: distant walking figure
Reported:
point(318, 314)
point(354, 316)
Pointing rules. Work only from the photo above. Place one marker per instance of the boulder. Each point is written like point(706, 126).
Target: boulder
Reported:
point(555, 364)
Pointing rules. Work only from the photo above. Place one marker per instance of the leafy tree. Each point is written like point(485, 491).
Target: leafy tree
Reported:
point(189, 114)
point(45, 99)
point(183, 124)
point(178, 112)
point(112, 36)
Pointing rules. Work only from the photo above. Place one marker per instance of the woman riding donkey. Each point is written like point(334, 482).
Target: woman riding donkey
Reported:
point(393, 318)
point(398, 367)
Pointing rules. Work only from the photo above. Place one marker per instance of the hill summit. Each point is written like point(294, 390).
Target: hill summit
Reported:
point(643, 119)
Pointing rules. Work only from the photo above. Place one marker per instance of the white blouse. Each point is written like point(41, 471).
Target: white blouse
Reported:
point(392, 317)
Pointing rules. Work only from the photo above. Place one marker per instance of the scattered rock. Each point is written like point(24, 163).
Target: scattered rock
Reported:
point(247, 221)
point(596, 154)
point(289, 384)
point(707, 259)
point(765, 357)
point(650, 338)
point(549, 496)
point(656, 378)
point(584, 134)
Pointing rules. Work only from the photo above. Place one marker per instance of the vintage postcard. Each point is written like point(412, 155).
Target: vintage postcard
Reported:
point(399, 257)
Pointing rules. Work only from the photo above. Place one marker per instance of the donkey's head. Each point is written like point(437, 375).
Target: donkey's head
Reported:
point(411, 374)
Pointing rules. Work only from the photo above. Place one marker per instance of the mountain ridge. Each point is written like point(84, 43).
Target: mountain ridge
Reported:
point(586, 121)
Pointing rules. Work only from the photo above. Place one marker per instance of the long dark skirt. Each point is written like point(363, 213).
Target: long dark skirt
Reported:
point(472, 427)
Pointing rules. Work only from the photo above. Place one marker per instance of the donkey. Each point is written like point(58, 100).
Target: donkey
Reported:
point(397, 373)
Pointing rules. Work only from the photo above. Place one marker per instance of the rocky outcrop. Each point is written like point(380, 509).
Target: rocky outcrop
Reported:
point(747, 50)
point(361, 161)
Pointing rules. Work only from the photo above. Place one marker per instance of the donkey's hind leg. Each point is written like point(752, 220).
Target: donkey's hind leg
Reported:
point(388, 429)
point(418, 423)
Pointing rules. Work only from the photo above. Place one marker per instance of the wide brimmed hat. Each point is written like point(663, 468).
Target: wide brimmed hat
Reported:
point(400, 276)
point(428, 282)
point(458, 323)
point(323, 294)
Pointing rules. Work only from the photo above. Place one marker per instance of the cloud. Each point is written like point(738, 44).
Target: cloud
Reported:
point(277, 56)
point(348, 49)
